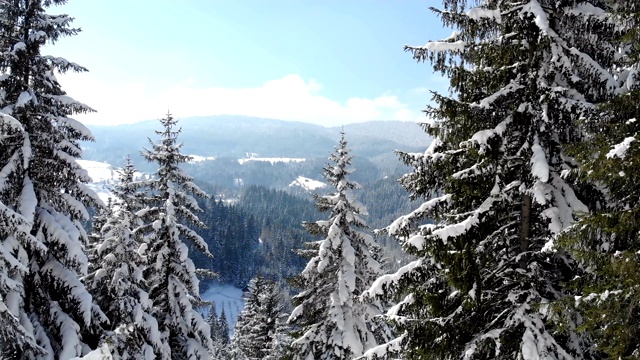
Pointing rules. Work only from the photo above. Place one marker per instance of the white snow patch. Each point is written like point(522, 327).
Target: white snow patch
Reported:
point(98, 171)
point(480, 13)
point(442, 46)
point(585, 9)
point(227, 297)
point(308, 184)
point(272, 160)
point(24, 98)
point(198, 158)
point(620, 149)
point(103, 177)
point(539, 165)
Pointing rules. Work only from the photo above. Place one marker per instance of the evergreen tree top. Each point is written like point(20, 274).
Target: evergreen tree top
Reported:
point(333, 321)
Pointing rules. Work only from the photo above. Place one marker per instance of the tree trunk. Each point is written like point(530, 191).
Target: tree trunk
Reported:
point(525, 228)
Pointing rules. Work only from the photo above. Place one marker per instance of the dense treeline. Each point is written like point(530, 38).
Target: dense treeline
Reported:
point(280, 216)
point(254, 235)
point(231, 177)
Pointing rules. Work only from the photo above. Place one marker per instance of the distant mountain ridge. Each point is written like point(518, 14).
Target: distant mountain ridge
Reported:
point(236, 136)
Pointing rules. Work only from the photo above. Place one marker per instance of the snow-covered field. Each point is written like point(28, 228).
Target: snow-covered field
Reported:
point(271, 160)
point(228, 297)
point(198, 158)
point(308, 184)
point(103, 177)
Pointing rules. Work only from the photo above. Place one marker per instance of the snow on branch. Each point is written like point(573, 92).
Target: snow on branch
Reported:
point(620, 150)
point(404, 221)
point(587, 10)
point(380, 284)
point(382, 351)
point(489, 100)
point(442, 46)
point(539, 164)
point(480, 13)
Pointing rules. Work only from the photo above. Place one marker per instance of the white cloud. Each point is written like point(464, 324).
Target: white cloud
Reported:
point(287, 98)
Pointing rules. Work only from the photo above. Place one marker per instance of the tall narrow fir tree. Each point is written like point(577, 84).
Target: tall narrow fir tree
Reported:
point(171, 275)
point(332, 320)
point(117, 282)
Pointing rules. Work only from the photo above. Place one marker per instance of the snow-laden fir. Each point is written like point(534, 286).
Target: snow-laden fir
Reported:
point(261, 331)
point(332, 320)
point(606, 240)
point(488, 273)
point(46, 311)
point(171, 276)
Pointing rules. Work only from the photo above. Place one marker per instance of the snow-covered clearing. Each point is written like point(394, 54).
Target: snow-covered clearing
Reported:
point(198, 158)
point(271, 160)
point(103, 176)
point(308, 184)
point(227, 297)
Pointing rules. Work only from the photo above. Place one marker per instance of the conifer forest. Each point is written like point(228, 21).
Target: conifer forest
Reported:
point(515, 233)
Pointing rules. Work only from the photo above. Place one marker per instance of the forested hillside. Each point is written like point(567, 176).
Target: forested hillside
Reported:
point(255, 235)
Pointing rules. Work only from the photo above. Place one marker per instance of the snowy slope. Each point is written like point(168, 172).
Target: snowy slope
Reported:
point(307, 184)
point(198, 158)
point(271, 160)
point(228, 297)
point(103, 177)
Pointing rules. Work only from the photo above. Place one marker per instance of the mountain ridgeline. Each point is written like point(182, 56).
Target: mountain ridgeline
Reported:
point(236, 137)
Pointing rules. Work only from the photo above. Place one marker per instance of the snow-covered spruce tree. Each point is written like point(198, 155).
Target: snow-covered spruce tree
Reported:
point(258, 322)
point(521, 74)
point(608, 239)
point(15, 239)
point(94, 237)
point(280, 345)
point(333, 323)
point(212, 320)
point(42, 191)
point(249, 336)
point(222, 331)
point(171, 275)
point(117, 282)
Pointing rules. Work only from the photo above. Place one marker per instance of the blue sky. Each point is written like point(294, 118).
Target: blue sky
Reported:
point(328, 62)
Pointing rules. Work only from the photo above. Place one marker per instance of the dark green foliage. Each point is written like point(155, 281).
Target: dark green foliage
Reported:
point(607, 240)
point(255, 235)
point(222, 330)
point(232, 236)
point(261, 321)
point(521, 75)
point(280, 216)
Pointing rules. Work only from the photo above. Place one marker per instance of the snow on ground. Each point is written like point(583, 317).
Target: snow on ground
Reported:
point(308, 184)
point(271, 160)
point(198, 158)
point(99, 171)
point(228, 297)
point(103, 177)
